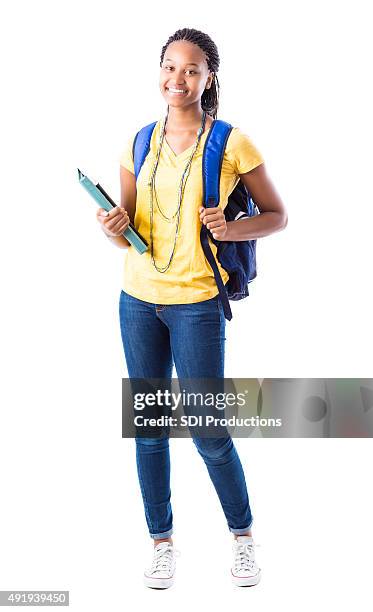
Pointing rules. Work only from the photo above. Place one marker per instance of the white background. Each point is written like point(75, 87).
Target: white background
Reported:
point(78, 79)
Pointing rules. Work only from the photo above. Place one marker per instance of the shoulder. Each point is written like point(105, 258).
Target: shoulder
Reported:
point(238, 138)
point(126, 154)
point(126, 157)
point(241, 152)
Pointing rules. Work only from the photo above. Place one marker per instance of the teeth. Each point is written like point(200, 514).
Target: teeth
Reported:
point(176, 90)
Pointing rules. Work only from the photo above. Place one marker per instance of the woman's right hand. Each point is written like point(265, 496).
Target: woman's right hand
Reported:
point(115, 222)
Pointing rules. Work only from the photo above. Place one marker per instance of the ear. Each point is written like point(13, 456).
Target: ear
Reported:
point(209, 80)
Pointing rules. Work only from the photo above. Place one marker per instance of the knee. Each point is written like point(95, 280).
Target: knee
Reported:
point(151, 445)
point(214, 449)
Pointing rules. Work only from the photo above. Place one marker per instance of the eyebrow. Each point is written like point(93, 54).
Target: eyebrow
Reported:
point(187, 64)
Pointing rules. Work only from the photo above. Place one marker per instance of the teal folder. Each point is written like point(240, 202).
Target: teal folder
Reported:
point(105, 201)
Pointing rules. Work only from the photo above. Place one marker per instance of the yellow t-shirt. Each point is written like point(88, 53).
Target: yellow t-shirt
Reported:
point(189, 278)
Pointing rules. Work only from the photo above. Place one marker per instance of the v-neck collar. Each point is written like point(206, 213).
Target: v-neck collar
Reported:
point(187, 151)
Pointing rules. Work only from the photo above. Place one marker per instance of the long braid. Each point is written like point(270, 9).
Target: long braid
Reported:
point(210, 97)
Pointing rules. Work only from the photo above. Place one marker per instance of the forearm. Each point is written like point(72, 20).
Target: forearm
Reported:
point(255, 227)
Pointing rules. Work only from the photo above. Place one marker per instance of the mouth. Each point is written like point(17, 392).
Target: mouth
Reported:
point(176, 91)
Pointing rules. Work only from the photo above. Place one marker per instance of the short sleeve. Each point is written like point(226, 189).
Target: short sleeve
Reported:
point(241, 153)
point(126, 158)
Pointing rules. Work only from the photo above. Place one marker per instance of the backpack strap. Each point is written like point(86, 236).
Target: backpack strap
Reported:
point(212, 161)
point(141, 146)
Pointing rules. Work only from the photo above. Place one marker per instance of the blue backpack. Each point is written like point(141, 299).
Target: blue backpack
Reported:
point(238, 258)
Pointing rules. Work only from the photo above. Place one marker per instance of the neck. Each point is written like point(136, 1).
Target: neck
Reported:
point(188, 118)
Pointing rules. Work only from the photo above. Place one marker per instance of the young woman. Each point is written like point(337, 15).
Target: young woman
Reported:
point(170, 311)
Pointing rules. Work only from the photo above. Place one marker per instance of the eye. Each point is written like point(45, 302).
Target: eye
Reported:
point(191, 71)
point(166, 67)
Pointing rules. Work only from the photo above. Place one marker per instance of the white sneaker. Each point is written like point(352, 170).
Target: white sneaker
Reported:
point(161, 574)
point(245, 571)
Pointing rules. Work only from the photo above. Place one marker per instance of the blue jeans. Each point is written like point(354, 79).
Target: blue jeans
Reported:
point(191, 336)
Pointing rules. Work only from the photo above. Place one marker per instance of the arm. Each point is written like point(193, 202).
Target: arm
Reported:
point(111, 223)
point(273, 215)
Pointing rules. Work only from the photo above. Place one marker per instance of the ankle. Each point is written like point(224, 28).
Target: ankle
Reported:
point(163, 540)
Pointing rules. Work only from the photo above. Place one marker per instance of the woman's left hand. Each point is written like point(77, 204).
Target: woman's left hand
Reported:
point(214, 219)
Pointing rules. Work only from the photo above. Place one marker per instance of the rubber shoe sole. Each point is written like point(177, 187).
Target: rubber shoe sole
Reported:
point(247, 580)
point(158, 583)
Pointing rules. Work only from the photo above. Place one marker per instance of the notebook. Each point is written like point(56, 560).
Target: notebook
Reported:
point(105, 201)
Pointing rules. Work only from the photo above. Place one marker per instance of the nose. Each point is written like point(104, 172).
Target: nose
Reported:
point(179, 76)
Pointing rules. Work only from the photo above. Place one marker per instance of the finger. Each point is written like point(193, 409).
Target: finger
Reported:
point(119, 227)
point(213, 224)
point(116, 211)
point(211, 218)
point(217, 234)
point(101, 212)
point(112, 220)
point(216, 212)
point(213, 210)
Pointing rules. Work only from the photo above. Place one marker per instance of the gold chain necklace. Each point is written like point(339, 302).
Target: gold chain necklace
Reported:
point(181, 190)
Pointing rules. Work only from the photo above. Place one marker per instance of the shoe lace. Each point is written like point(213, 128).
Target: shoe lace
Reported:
point(244, 556)
point(162, 559)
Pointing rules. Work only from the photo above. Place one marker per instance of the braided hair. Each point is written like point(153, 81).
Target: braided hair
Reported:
point(210, 97)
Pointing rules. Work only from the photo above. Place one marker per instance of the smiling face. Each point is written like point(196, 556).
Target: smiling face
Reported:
point(184, 74)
